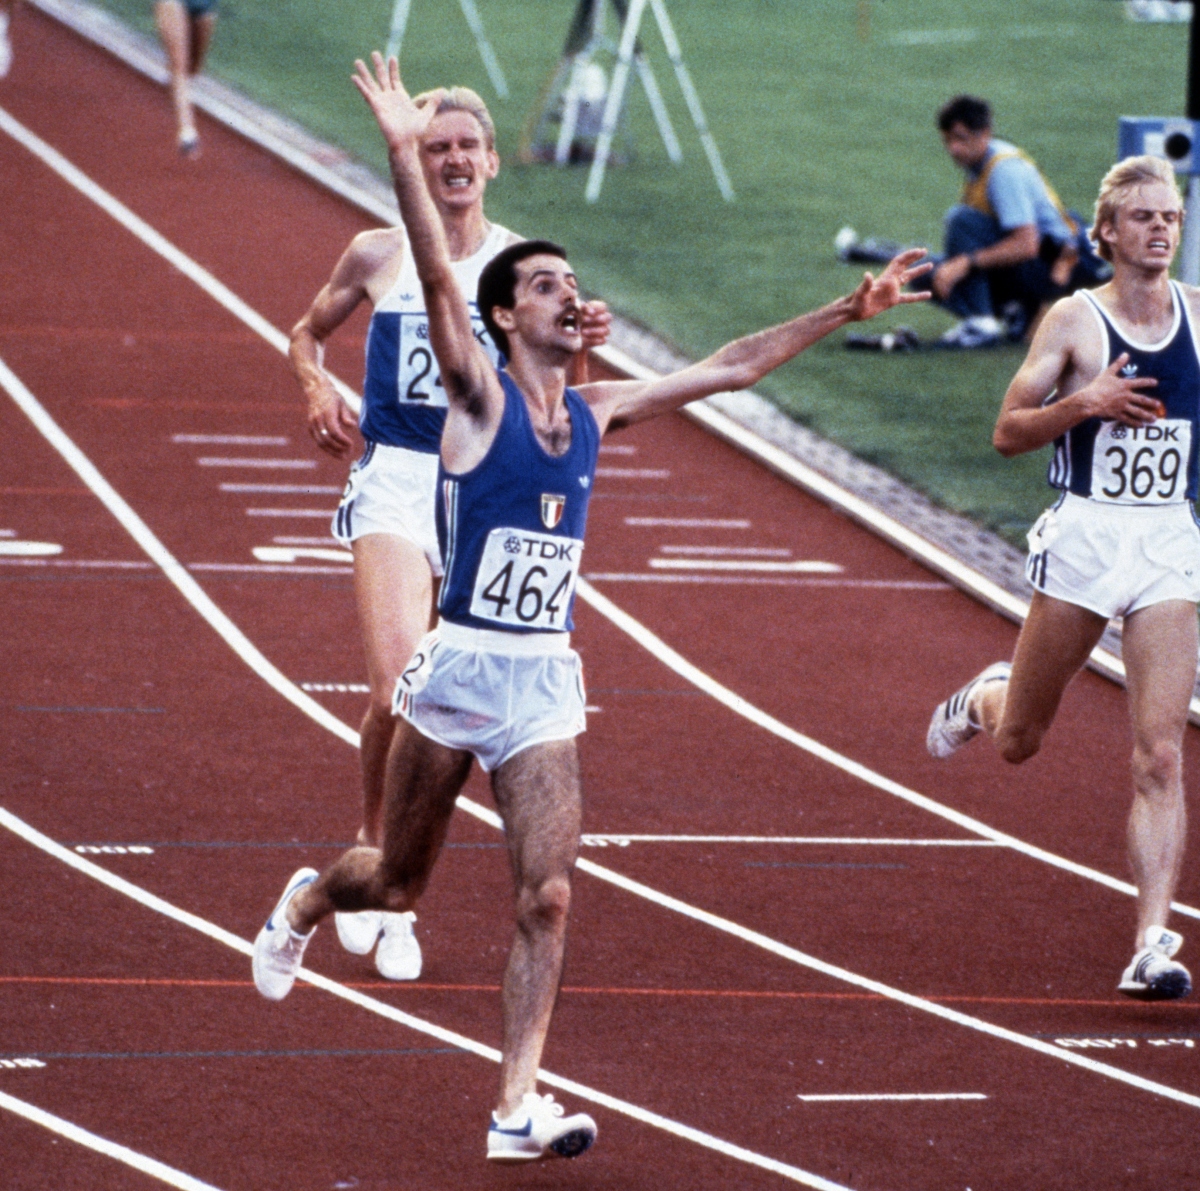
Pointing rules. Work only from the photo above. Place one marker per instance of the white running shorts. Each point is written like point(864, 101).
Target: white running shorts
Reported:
point(1114, 559)
point(391, 490)
point(492, 693)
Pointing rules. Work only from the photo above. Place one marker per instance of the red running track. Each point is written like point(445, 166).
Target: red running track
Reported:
point(711, 983)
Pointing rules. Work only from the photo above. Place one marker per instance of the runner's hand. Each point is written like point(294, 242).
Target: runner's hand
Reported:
point(594, 323)
point(877, 294)
point(1118, 398)
point(330, 421)
point(400, 120)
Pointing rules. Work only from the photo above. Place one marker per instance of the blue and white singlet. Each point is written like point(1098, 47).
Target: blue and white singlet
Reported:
point(1107, 461)
point(404, 404)
point(511, 529)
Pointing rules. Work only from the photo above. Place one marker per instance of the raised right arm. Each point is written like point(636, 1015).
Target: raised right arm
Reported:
point(467, 373)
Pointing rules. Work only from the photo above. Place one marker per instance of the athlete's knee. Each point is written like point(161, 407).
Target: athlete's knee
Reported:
point(1157, 765)
point(544, 905)
point(1017, 744)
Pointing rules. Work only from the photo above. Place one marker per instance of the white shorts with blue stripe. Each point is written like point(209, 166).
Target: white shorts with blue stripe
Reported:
point(391, 490)
point(1114, 559)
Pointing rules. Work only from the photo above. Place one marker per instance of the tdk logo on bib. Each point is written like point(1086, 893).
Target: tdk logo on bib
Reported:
point(552, 509)
point(1153, 433)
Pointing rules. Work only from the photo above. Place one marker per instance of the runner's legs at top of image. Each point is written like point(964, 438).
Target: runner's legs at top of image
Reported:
point(186, 29)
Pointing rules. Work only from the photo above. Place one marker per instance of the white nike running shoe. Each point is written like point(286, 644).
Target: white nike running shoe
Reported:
point(951, 726)
point(357, 932)
point(398, 956)
point(1153, 975)
point(538, 1129)
point(278, 950)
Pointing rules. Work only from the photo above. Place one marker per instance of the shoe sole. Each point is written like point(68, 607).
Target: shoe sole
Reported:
point(1170, 987)
point(570, 1145)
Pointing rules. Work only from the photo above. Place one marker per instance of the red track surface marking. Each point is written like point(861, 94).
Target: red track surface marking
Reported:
point(222, 758)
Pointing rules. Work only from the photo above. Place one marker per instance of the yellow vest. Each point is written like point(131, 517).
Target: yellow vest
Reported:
point(975, 192)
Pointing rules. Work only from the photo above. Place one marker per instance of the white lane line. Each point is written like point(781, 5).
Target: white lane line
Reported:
point(8, 533)
point(763, 580)
point(687, 522)
point(233, 440)
point(895, 1096)
point(287, 489)
point(160, 555)
point(19, 549)
point(287, 541)
point(292, 553)
point(258, 662)
point(154, 240)
point(78, 563)
point(326, 513)
point(617, 449)
point(728, 551)
point(340, 688)
point(723, 695)
point(253, 658)
point(797, 565)
point(644, 1116)
point(266, 464)
point(854, 841)
point(268, 568)
point(110, 1149)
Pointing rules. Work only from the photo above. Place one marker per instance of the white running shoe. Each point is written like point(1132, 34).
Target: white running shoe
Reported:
point(538, 1129)
point(951, 726)
point(980, 330)
point(358, 932)
point(278, 950)
point(398, 956)
point(1152, 974)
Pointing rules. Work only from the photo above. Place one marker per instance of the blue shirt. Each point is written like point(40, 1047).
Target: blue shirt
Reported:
point(511, 529)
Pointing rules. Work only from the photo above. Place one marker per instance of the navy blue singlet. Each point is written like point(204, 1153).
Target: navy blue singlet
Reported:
point(404, 404)
point(511, 529)
point(1144, 465)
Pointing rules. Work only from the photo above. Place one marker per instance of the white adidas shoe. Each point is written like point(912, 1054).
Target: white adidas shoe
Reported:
point(1153, 974)
point(398, 956)
point(538, 1129)
point(279, 950)
point(951, 726)
point(357, 932)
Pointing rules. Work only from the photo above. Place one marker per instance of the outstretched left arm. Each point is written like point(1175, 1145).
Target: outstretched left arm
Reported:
point(744, 362)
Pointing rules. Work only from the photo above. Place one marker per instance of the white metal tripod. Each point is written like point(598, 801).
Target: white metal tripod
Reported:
point(616, 97)
point(490, 61)
point(572, 88)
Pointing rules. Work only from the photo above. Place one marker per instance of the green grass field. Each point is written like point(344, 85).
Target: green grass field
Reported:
point(824, 113)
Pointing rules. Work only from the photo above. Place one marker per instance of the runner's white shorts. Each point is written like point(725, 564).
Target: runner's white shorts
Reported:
point(1114, 559)
point(391, 490)
point(492, 693)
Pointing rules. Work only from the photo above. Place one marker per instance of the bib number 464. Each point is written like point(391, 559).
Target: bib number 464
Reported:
point(526, 579)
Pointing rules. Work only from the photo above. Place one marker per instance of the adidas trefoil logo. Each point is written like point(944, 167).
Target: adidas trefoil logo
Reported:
point(584, 481)
point(1129, 370)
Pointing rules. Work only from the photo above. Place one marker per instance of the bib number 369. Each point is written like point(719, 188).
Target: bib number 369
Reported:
point(1142, 464)
point(526, 579)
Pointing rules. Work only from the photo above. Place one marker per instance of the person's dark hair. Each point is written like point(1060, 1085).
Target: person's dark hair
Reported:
point(969, 110)
point(498, 282)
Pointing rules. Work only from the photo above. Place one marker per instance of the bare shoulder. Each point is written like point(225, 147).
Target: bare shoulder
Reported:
point(1191, 295)
point(373, 259)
